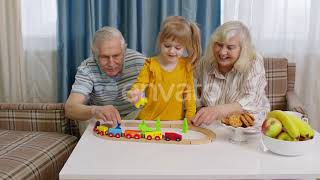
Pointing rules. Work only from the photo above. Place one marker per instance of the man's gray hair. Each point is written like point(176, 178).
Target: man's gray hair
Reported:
point(103, 34)
point(227, 31)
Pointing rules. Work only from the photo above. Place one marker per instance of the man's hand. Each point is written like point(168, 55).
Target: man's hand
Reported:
point(206, 115)
point(134, 96)
point(107, 113)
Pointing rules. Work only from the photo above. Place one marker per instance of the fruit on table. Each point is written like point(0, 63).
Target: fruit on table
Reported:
point(284, 136)
point(306, 132)
point(288, 124)
point(271, 127)
point(293, 128)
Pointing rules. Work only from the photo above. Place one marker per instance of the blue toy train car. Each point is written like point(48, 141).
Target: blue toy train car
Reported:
point(115, 132)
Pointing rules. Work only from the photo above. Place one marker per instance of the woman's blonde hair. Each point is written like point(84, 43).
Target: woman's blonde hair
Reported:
point(187, 33)
point(224, 33)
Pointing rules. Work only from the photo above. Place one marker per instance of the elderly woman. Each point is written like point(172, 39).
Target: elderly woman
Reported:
point(231, 76)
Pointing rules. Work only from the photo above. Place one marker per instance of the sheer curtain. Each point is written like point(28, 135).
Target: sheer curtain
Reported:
point(12, 79)
point(39, 24)
point(286, 28)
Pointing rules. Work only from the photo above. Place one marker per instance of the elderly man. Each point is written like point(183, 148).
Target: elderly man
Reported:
point(102, 81)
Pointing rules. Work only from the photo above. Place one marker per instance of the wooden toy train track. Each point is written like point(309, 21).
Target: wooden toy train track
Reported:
point(209, 135)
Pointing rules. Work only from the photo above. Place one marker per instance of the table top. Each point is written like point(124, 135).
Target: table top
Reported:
point(98, 158)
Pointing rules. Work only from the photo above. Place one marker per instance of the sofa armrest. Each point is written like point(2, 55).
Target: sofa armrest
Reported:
point(37, 117)
point(294, 104)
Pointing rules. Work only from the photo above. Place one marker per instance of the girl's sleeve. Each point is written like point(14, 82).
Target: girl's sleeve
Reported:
point(189, 94)
point(143, 78)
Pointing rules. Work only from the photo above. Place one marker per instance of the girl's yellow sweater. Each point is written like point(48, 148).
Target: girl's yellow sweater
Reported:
point(170, 95)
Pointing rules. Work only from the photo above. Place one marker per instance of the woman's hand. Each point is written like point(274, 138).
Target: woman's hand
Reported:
point(206, 115)
point(134, 96)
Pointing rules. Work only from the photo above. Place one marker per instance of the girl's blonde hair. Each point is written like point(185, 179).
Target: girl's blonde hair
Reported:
point(187, 33)
point(224, 33)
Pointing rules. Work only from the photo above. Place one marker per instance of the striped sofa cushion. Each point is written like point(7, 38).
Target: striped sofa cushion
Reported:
point(33, 155)
point(37, 117)
point(291, 76)
point(280, 77)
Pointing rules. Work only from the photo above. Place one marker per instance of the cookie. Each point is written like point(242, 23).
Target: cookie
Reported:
point(244, 121)
point(226, 121)
point(234, 120)
point(249, 118)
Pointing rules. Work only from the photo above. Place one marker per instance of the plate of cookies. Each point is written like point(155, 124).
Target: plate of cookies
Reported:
point(245, 121)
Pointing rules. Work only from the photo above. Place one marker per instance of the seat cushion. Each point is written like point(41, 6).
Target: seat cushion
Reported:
point(277, 78)
point(33, 155)
point(47, 117)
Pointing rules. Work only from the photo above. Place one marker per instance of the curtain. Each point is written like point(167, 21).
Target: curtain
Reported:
point(138, 20)
point(283, 28)
point(39, 20)
point(12, 66)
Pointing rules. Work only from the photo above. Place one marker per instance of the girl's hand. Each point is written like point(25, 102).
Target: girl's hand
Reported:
point(134, 96)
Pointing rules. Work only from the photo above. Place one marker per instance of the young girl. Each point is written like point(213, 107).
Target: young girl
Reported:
point(167, 78)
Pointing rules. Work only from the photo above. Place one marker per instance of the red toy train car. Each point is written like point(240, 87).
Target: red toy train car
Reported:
point(172, 136)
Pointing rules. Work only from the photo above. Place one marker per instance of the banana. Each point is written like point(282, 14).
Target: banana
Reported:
point(288, 124)
point(285, 137)
point(306, 131)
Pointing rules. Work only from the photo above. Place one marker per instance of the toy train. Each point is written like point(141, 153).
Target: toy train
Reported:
point(146, 132)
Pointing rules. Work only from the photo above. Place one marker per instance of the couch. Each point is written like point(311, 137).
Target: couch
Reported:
point(35, 140)
point(280, 76)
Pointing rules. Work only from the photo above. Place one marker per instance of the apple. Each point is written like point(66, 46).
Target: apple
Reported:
point(271, 127)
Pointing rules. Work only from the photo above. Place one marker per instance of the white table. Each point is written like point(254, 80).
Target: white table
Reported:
point(97, 158)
